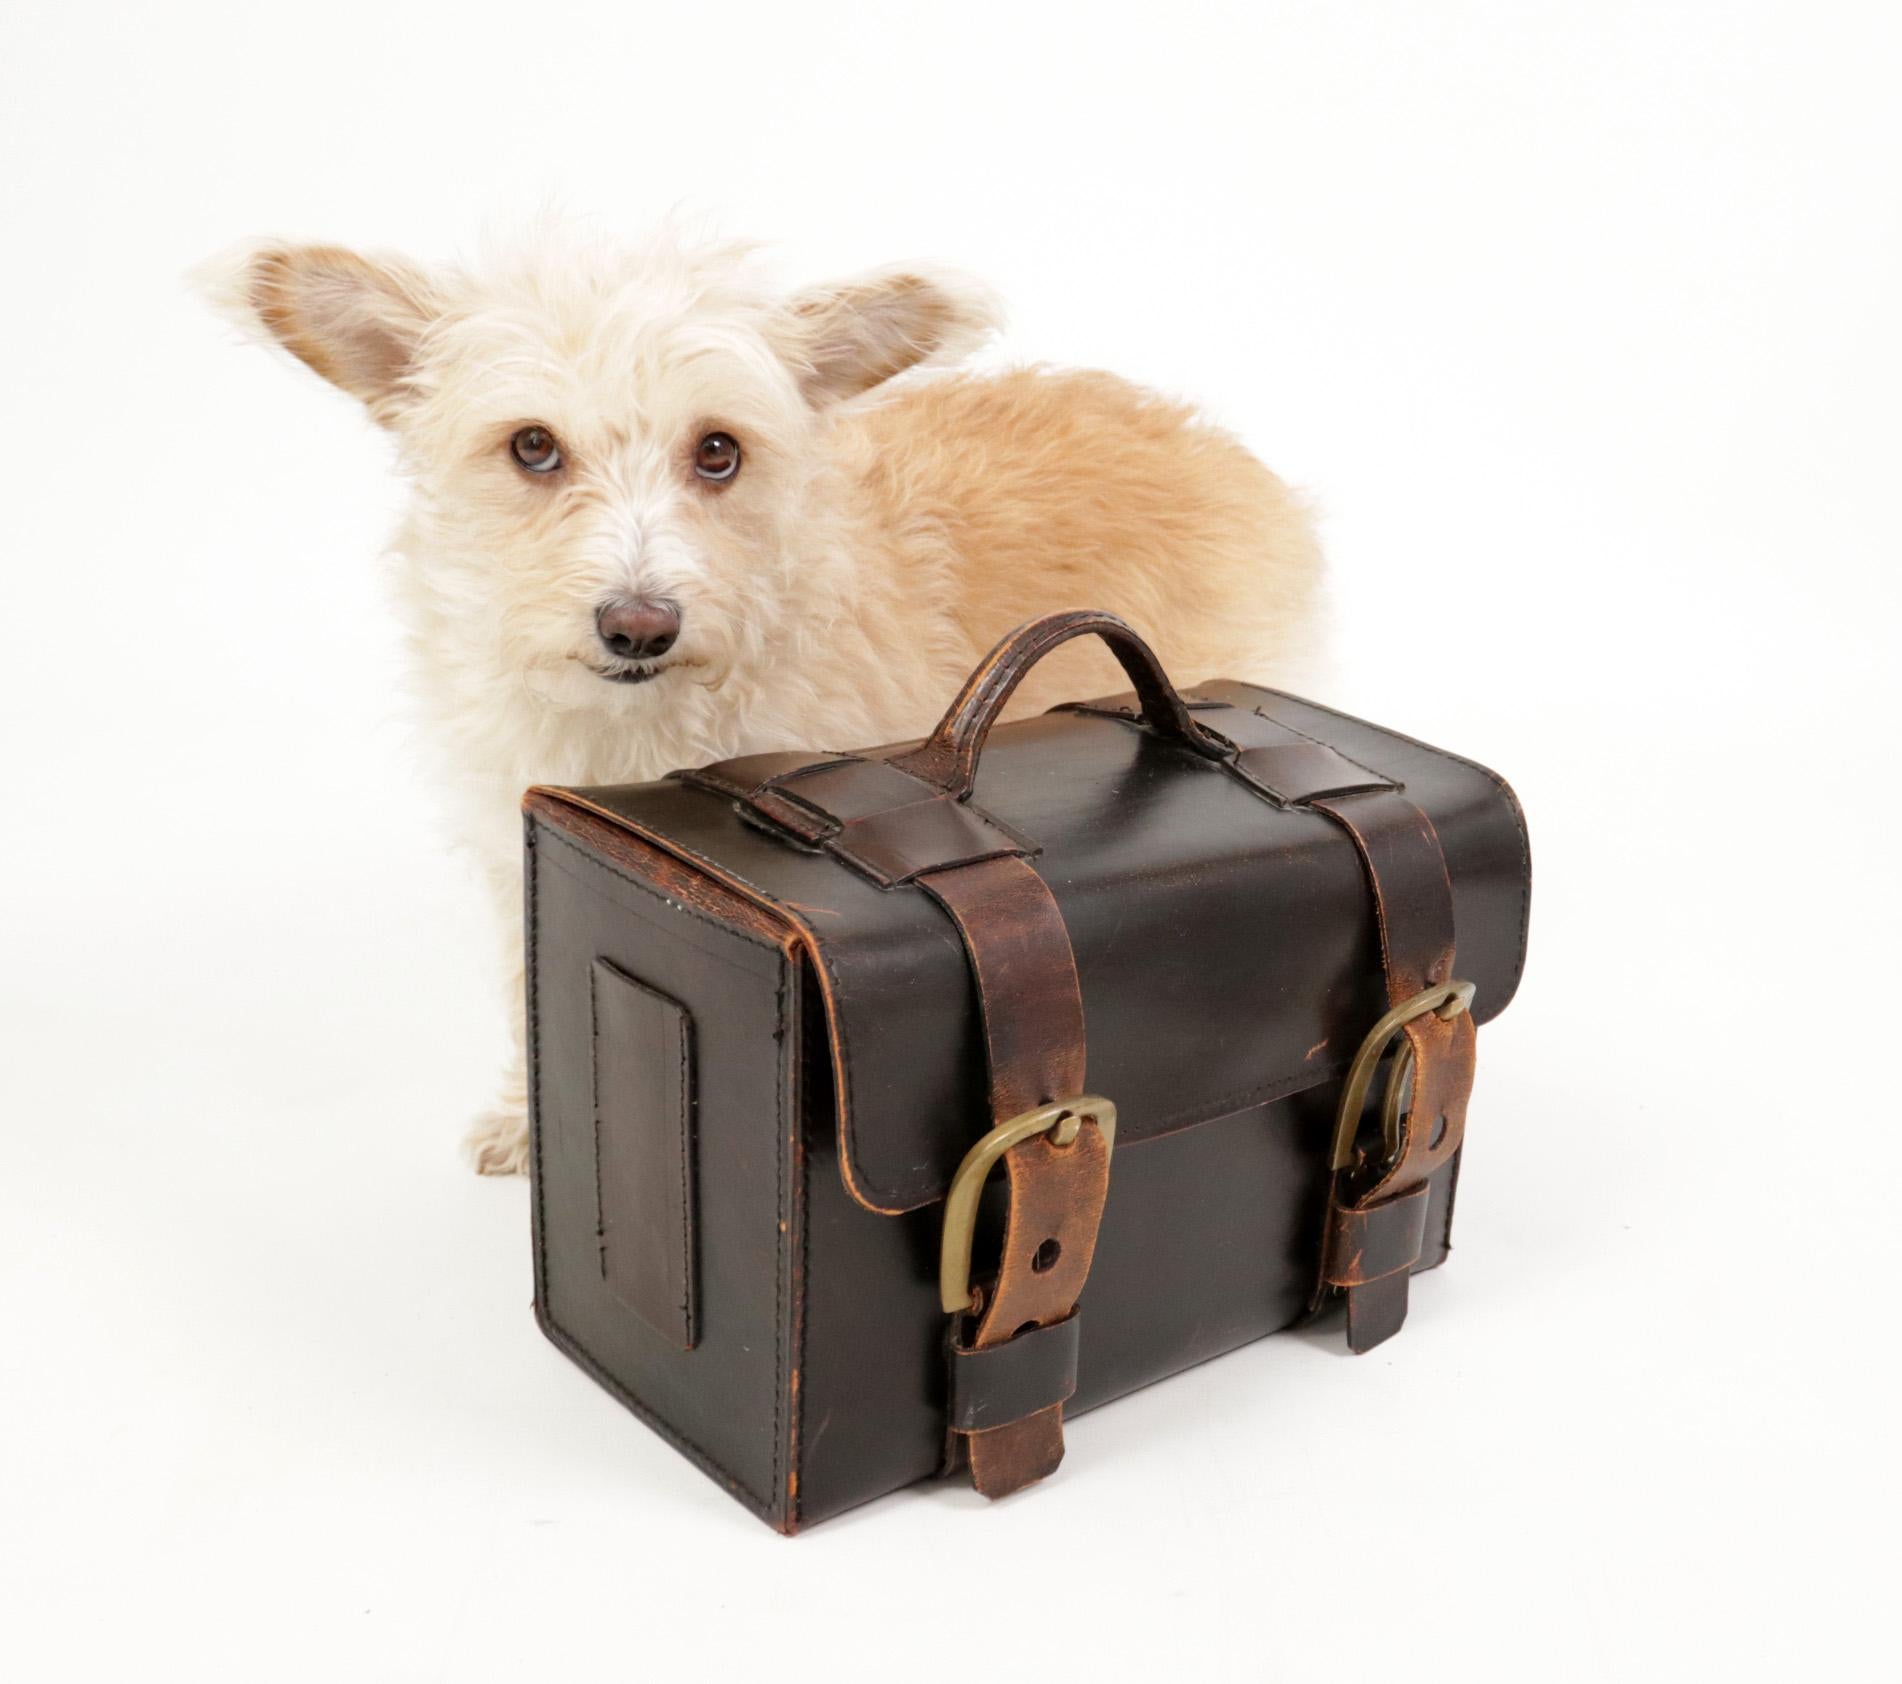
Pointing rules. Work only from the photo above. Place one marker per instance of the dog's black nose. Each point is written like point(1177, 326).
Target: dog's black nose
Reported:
point(638, 629)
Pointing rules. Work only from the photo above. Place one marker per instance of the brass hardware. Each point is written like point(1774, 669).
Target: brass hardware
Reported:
point(1445, 999)
point(1061, 1122)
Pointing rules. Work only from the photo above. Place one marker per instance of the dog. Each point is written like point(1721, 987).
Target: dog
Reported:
point(662, 513)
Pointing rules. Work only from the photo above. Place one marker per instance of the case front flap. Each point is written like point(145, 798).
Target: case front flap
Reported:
point(1225, 944)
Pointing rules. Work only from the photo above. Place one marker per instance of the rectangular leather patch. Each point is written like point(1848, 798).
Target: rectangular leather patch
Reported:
point(1296, 772)
point(644, 1150)
point(896, 845)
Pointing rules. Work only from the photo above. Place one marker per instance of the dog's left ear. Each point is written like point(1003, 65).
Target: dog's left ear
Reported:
point(846, 339)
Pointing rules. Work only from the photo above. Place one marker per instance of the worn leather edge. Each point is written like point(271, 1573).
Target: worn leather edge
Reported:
point(777, 1508)
point(792, 1251)
point(557, 797)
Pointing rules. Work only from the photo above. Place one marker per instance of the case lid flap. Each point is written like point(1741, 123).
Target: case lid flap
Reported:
point(1225, 942)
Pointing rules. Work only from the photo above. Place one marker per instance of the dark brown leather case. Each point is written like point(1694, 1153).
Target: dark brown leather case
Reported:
point(774, 1004)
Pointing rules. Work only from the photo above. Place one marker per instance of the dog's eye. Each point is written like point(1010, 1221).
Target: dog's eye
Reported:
point(536, 450)
point(717, 457)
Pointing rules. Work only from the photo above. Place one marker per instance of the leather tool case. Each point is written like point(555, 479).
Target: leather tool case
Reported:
point(892, 1108)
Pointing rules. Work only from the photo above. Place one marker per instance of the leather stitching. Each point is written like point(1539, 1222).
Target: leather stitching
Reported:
point(779, 1250)
point(530, 993)
point(795, 1510)
point(792, 1126)
point(687, 1211)
point(594, 1088)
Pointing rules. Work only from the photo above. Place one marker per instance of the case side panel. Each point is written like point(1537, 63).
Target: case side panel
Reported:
point(724, 1402)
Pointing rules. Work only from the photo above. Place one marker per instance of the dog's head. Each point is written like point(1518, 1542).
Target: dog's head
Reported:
point(615, 454)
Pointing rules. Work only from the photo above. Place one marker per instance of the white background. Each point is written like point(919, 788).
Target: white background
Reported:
point(1581, 323)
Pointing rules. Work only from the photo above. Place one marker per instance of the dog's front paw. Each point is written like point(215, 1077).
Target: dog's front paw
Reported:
point(498, 1144)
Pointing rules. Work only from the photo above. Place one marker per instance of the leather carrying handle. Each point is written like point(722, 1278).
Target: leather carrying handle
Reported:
point(948, 757)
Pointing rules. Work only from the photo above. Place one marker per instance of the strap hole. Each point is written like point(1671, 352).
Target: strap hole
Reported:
point(1047, 1255)
point(1439, 1134)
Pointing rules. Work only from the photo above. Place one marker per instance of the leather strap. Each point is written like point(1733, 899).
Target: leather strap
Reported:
point(1413, 897)
point(1032, 1009)
point(1056, 1203)
point(881, 821)
point(996, 1385)
point(1376, 1211)
point(1032, 1004)
point(1010, 1371)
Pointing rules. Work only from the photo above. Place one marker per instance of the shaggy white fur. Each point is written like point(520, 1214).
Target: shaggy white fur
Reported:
point(880, 534)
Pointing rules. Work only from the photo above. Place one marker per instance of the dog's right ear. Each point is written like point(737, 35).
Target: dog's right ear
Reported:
point(357, 321)
point(845, 339)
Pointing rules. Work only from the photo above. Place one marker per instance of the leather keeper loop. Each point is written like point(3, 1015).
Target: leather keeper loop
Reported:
point(1003, 1383)
point(1370, 1243)
point(808, 825)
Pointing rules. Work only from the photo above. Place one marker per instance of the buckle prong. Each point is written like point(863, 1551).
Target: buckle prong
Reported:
point(1062, 1121)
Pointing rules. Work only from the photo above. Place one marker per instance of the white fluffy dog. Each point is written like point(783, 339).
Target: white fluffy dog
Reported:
point(662, 514)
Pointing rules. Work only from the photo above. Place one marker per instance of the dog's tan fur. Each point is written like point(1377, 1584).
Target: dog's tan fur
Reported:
point(883, 531)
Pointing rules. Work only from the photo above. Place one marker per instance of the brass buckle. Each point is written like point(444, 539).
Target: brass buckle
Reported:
point(1061, 1122)
point(1445, 999)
